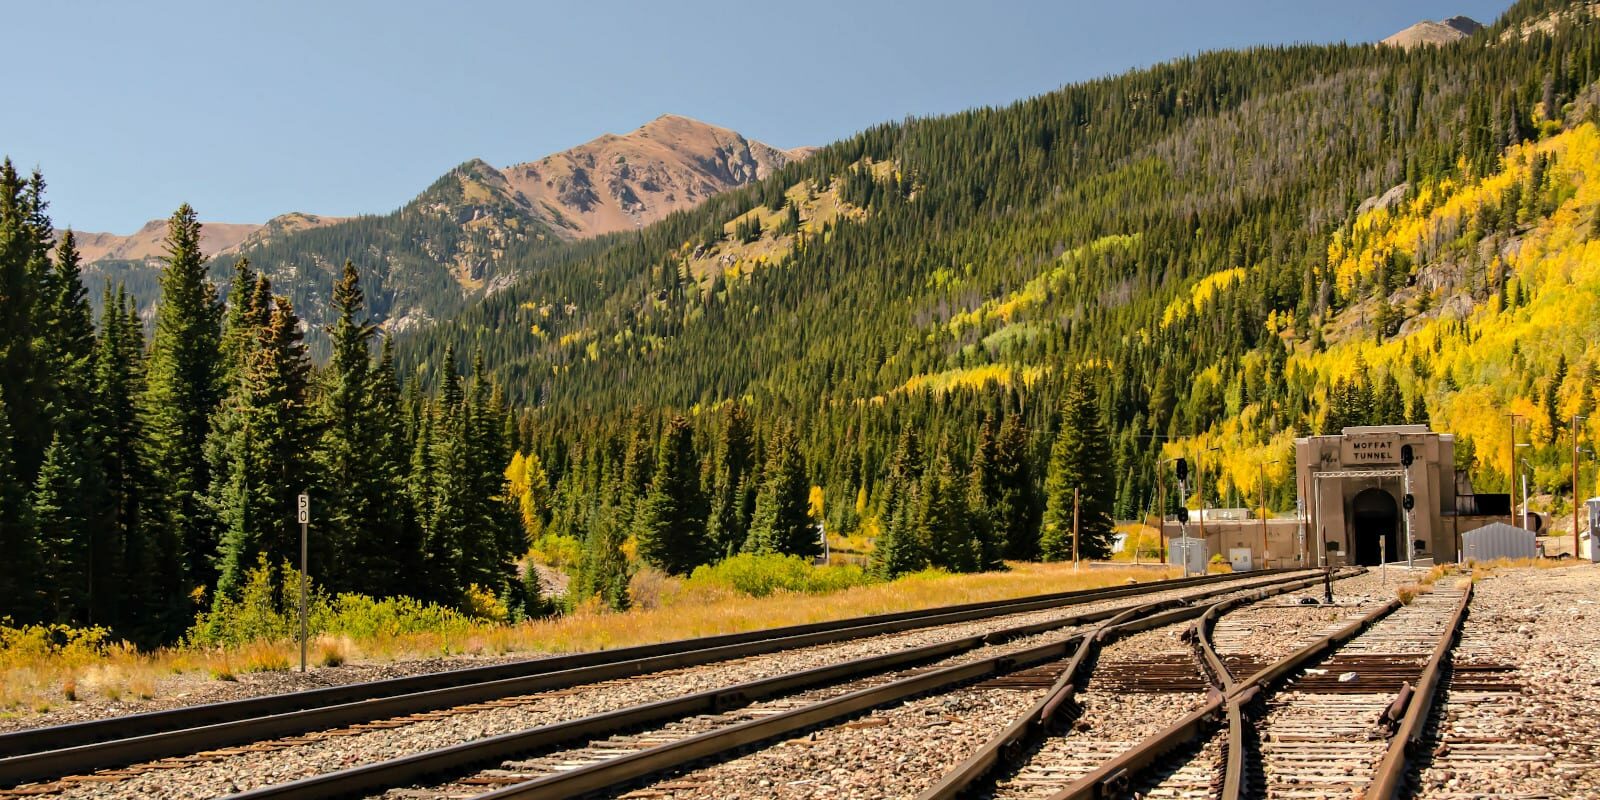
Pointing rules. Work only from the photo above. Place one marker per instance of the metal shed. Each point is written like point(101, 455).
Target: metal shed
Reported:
point(1498, 540)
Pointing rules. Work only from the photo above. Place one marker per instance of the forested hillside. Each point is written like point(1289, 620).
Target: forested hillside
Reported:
point(935, 335)
point(1179, 235)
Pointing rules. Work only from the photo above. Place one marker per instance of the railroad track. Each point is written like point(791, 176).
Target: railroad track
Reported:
point(611, 753)
point(38, 760)
point(1339, 716)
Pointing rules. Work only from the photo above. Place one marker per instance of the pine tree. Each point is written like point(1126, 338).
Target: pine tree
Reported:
point(17, 588)
point(1081, 460)
point(125, 597)
point(58, 515)
point(980, 488)
point(399, 531)
point(75, 505)
point(1014, 507)
point(782, 520)
point(953, 544)
point(25, 275)
point(180, 398)
point(264, 430)
point(733, 486)
point(902, 547)
point(670, 524)
point(604, 572)
point(359, 531)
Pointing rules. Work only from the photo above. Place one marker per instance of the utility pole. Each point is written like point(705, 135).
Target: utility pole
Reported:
point(1161, 510)
point(1511, 473)
point(1576, 418)
point(303, 512)
point(1262, 487)
point(1074, 528)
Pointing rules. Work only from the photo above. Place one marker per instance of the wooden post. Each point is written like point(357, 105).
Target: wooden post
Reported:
point(1263, 496)
point(1074, 527)
point(1511, 471)
point(1161, 516)
point(1575, 495)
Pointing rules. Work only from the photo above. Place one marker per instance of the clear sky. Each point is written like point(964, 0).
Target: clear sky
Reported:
point(251, 109)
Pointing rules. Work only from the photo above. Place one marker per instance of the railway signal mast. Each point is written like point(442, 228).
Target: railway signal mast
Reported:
point(1407, 456)
point(1182, 468)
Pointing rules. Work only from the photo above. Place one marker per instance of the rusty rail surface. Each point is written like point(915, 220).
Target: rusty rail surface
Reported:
point(1418, 703)
point(373, 778)
point(1010, 744)
point(43, 754)
point(1115, 776)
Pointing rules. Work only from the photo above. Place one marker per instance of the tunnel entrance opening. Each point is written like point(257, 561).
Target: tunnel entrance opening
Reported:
point(1374, 514)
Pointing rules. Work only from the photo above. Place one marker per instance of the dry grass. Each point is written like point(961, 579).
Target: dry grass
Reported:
point(38, 679)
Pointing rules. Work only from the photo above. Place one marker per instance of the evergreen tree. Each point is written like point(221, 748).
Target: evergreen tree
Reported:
point(604, 572)
point(1013, 506)
point(902, 546)
point(1080, 460)
point(671, 521)
point(18, 589)
point(264, 431)
point(360, 534)
point(733, 485)
point(782, 521)
point(123, 561)
point(58, 514)
point(180, 397)
point(953, 544)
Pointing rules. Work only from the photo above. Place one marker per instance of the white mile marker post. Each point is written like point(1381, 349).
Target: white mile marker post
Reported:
point(303, 512)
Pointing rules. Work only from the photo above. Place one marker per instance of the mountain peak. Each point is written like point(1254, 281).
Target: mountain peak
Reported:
point(1434, 32)
point(623, 182)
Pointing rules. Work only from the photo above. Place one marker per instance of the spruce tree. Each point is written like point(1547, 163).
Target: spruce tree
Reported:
point(265, 431)
point(359, 532)
point(1014, 505)
point(17, 543)
point(782, 520)
point(733, 484)
point(181, 396)
point(58, 516)
point(902, 544)
point(125, 596)
point(1081, 460)
point(952, 543)
point(670, 524)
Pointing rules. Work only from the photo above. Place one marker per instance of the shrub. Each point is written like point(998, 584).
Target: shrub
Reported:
point(761, 575)
point(558, 551)
point(483, 604)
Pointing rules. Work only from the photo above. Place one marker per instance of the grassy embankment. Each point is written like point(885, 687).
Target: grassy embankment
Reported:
point(45, 667)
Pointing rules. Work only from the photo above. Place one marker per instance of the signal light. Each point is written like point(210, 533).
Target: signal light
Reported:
point(1183, 469)
point(1406, 455)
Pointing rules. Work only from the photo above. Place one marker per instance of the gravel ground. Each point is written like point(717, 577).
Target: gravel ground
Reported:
point(1541, 739)
point(601, 749)
point(892, 754)
point(294, 758)
point(1270, 630)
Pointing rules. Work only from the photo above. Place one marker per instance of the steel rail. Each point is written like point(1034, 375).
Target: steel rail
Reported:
point(42, 754)
point(373, 778)
point(1031, 725)
point(1392, 771)
point(1115, 776)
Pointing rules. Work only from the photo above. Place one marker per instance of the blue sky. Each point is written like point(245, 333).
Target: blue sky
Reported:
point(251, 109)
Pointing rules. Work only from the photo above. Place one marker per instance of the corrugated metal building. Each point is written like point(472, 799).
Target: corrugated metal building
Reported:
point(1498, 540)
